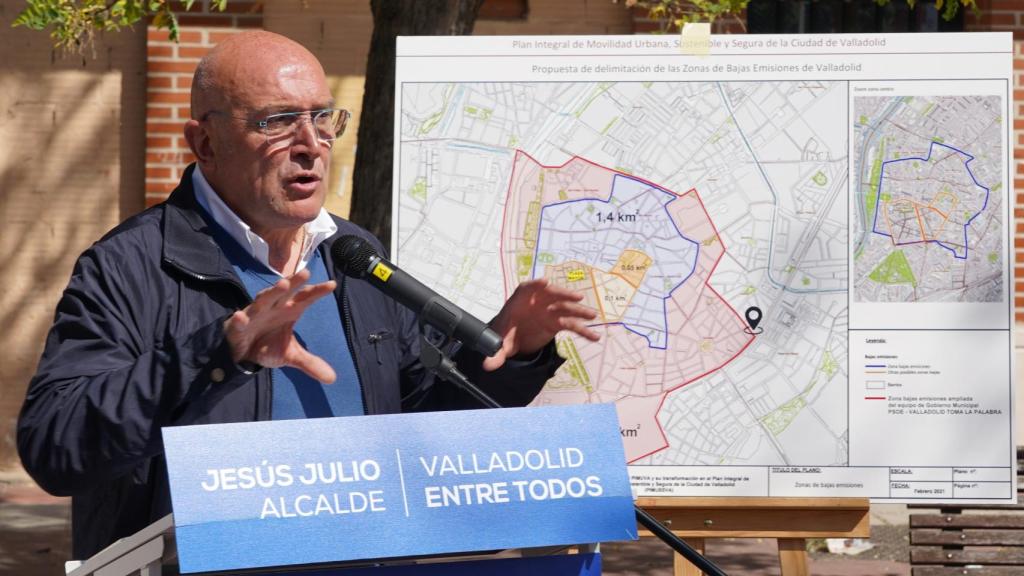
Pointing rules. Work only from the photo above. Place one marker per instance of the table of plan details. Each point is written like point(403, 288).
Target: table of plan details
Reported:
point(958, 483)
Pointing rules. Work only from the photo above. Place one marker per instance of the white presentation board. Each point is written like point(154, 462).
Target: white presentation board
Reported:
point(798, 247)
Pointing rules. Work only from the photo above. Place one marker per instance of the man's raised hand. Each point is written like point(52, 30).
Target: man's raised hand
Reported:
point(262, 332)
point(533, 315)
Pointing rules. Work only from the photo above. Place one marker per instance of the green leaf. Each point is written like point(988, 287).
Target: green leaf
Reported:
point(172, 26)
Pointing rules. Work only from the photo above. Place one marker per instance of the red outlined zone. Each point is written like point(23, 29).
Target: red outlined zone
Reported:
point(706, 283)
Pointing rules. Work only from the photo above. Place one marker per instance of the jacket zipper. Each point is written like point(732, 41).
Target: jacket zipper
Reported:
point(346, 315)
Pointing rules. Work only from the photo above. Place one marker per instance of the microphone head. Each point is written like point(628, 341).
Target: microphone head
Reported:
point(352, 255)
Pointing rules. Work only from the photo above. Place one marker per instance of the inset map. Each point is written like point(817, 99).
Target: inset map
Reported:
point(928, 207)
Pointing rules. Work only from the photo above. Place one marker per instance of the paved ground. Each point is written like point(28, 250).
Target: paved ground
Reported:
point(35, 534)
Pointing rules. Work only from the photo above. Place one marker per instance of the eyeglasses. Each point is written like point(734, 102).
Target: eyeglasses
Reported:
point(329, 123)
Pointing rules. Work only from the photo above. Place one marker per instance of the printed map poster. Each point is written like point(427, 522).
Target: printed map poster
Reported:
point(797, 247)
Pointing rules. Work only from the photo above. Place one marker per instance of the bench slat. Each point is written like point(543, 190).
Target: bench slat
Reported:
point(967, 521)
point(959, 571)
point(970, 537)
point(923, 555)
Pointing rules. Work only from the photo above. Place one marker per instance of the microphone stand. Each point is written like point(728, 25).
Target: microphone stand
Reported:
point(440, 364)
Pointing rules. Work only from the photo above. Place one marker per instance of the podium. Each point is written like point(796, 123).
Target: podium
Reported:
point(392, 495)
point(152, 552)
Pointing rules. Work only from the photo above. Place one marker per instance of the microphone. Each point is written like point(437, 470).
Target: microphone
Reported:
point(355, 257)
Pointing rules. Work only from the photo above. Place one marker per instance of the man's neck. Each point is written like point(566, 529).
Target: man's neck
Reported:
point(285, 248)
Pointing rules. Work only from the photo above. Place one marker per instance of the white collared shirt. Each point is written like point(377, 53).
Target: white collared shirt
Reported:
point(314, 232)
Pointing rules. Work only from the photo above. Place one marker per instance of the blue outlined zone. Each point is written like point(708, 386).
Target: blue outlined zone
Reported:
point(646, 187)
point(931, 149)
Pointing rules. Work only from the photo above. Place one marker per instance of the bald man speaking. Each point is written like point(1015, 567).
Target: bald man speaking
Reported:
point(222, 305)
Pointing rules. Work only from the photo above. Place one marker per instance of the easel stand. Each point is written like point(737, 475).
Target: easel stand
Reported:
point(790, 520)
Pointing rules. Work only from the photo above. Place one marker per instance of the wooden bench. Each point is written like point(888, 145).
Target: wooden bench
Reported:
point(988, 540)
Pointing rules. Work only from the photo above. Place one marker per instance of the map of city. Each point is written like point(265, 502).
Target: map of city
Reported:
point(929, 204)
point(674, 209)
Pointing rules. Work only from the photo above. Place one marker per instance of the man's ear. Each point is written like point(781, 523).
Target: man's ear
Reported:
point(198, 137)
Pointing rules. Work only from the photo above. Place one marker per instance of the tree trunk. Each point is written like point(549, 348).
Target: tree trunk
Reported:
point(371, 187)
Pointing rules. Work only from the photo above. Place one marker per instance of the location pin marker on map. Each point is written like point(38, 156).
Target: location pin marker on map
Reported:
point(753, 315)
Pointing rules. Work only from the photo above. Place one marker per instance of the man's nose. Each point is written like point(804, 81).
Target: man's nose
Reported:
point(306, 136)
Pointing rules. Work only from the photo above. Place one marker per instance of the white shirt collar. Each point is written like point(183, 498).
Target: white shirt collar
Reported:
point(314, 232)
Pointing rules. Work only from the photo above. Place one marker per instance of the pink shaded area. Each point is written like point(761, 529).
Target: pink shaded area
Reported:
point(705, 332)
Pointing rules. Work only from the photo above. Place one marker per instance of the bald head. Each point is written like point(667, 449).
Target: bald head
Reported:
point(275, 183)
point(225, 77)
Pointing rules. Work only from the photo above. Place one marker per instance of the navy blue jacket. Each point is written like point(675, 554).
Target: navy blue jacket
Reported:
point(138, 344)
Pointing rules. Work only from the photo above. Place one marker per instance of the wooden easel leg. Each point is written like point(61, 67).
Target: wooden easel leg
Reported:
point(680, 567)
point(793, 557)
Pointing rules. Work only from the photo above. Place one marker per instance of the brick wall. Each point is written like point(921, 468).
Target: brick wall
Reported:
point(1008, 15)
point(169, 69)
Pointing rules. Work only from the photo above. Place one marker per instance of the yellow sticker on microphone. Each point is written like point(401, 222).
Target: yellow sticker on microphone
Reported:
point(381, 271)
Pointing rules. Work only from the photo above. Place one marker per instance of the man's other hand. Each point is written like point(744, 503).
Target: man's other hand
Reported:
point(262, 332)
point(533, 315)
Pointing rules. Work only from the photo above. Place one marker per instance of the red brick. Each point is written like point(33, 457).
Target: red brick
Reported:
point(154, 128)
point(158, 172)
point(183, 112)
point(175, 98)
point(165, 142)
point(184, 36)
point(154, 51)
point(218, 36)
point(158, 113)
point(171, 67)
point(176, 158)
point(155, 35)
point(192, 52)
point(997, 5)
point(190, 37)
point(183, 82)
point(159, 82)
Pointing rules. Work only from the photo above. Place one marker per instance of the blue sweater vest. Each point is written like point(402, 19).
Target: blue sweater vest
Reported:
point(319, 330)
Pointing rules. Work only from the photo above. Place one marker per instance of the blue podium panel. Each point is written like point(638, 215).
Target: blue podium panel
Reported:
point(338, 489)
point(563, 565)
